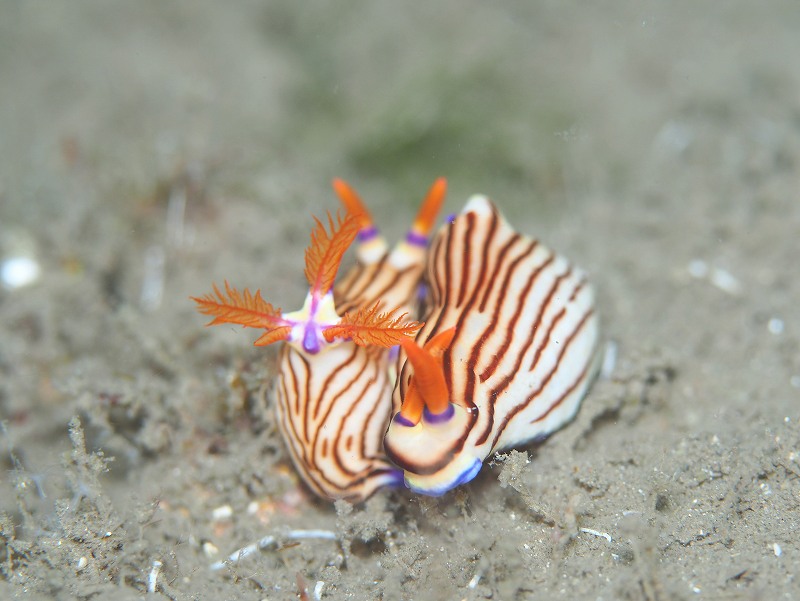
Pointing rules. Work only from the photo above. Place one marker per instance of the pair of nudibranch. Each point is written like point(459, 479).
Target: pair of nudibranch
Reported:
point(366, 398)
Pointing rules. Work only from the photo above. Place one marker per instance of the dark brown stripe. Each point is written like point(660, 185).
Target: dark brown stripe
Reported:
point(296, 445)
point(465, 258)
point(366, 395)
point(545, 381)
point(366, 275)
point(447, 278)
point(291, 434)
point(380, 428)
point(304, 408)
point(485, 271)
point(370, 296)
point(396, 281)
point(295, 382)
point(480, 284)
point(433, 282)
point(501, 387)
point(553, 325)
point(341, 288)
point(346, 392)
point(581, 377)
point(489, 370)
point(336, 441)
point(326, 385)
point(501, 260)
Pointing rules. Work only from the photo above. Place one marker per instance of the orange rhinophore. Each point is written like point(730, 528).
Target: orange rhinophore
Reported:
point(427, 393)
point(336, 373)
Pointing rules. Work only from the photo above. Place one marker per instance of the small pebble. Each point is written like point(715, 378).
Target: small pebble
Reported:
point(609, 360)
point(775, 326)
point(223, 512)
point(725, 281)
point(210, 549)
point(17, 272)
point(698, 269)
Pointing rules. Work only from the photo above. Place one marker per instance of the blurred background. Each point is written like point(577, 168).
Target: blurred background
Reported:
point(105, 110)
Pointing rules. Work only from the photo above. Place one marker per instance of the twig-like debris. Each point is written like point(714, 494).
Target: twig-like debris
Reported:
point(609, 360)
point(604, 535)
point(152, 578)
point(270, 540)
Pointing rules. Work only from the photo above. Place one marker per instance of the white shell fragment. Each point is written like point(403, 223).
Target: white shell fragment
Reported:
point(223, 512)
point(16, 272)
point(597, 533)
point(725, 281)
point(775, 326)
point(718, 277)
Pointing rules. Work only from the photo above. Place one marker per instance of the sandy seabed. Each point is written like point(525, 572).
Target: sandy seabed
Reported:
point(150, 149)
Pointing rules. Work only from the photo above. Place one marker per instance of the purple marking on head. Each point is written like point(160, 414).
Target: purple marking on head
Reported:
point(422, 291)
point(402, 421)
point(416, 239)
point(397, 478)
point(438, 418)
point(394, 352)
point(310, 339)
point(368, 233)
point(450, 218)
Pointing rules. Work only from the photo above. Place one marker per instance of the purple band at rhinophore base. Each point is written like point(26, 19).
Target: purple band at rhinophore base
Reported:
point(450, 218)
point(438, 418)
point(367, 234)
point(394, 352)
point(416, 239)
point(402, 421)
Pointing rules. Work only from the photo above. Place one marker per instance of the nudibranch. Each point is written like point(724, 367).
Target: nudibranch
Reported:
point(507, 352)
point(336, 370)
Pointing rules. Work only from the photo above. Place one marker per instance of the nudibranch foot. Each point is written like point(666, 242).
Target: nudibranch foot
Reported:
point(455, 474)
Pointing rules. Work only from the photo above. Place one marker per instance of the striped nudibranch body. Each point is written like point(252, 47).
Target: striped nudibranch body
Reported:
point(336, 370)
point(334, 406)
point(507, 352)
point(332, 412)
